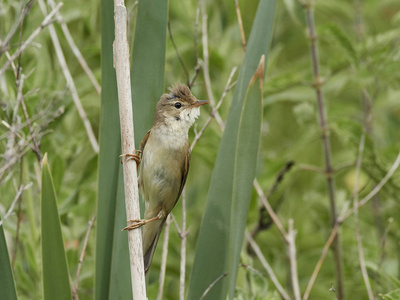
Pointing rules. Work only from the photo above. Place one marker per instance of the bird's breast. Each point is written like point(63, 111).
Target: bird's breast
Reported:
point(162, 171)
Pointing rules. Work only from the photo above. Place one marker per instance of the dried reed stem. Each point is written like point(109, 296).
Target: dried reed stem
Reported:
point(122, 68)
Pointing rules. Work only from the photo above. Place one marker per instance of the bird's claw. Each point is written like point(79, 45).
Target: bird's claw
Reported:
point(136, 157)
point(139, 223)
point(136, 224)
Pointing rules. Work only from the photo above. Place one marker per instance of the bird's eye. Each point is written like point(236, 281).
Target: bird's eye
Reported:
point(178, 105)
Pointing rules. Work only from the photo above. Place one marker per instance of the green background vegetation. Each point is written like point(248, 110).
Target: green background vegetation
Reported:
point(359, 50)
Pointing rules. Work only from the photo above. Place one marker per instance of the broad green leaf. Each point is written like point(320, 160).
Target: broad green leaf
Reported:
point(119, 287)
point(148, 60)
point(213, 245)
point(110, 149)
point(54, 261)
point(7, 286)
point(248, 139)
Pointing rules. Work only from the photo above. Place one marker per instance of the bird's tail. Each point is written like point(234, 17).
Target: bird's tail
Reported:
point(151, 234)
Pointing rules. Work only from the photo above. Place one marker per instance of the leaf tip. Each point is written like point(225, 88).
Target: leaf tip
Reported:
point(259, 72)
point(44, 160)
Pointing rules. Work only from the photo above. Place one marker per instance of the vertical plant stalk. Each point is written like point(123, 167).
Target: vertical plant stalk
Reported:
point(183, 236)
point(292, 258)
point(205, 65)
point(326, 145)
point(122, 68)
point(355, 196)
point(81, 257)
point(356, 220)
point(163, 267)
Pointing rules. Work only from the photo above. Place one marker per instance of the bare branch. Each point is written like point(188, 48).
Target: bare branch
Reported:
point(320, 261)
point(11, 209)
point(81, 257)
point(24, 12)
point(267, 267)
point(212, 285)
point(46, 22)
point(76, 50)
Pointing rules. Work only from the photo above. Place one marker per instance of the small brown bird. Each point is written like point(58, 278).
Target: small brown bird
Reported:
point(165, 155)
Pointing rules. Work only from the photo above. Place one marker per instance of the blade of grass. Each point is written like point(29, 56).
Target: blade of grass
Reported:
point(54, 261)
point(110, 149)
point(245, 169)
point(7, 285)
point(211, 260)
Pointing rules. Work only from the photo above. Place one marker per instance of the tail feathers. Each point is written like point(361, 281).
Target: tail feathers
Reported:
point(151, 232)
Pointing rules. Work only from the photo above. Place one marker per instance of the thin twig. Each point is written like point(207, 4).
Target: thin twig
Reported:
point(262, 223)
point(13, 66)
point(380, 185)
point(267, 267)
point(215, 110)
point(269, 209)
point(383, 242)
point(312, 168)
point(197, 67)
point(355, 201)
point(183, 248)
point(46, 22)
point(318, 82)
point(171, 37)
point(24, 12)
point(71, 84)
point(164, 255)
point(240, 23)
point(21, 175)
point(212, 285)
point(10, 210)
point(81, 257)
point(122, 68)
point(36, 146)
point(76, 50)
point(292, 259)
point(320, 261)
point(205, 62)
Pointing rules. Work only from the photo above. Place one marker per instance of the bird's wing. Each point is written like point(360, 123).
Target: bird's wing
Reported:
point(144, 140)
point(185, 172)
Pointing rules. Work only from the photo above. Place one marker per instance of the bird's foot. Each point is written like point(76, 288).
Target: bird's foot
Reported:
point(140, 223)
point(136, 156)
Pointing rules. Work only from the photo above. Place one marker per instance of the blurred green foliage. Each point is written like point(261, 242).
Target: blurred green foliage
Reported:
point(359, 49)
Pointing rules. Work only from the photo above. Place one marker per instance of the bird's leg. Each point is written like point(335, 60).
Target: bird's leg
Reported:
point(136, 156)
point(139, 223)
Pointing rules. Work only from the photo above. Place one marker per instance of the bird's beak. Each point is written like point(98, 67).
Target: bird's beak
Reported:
point(200, 103)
